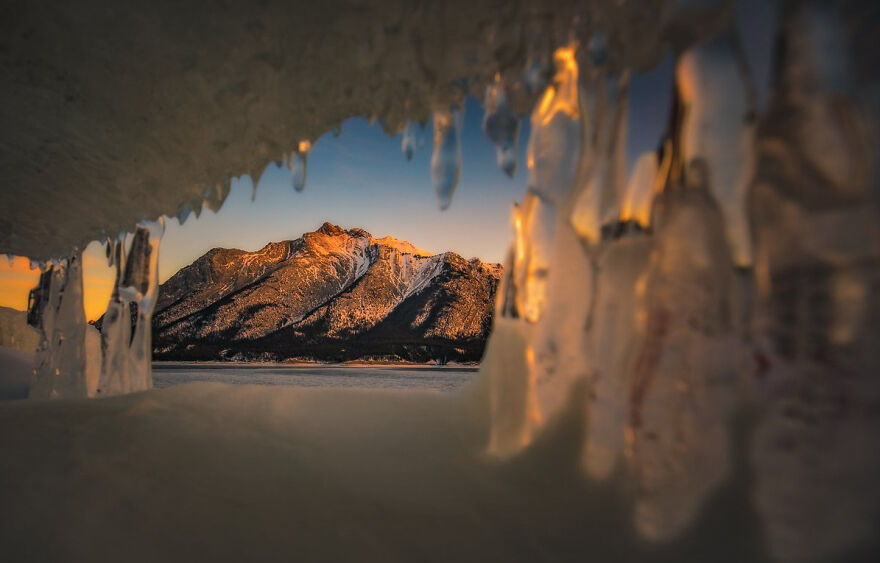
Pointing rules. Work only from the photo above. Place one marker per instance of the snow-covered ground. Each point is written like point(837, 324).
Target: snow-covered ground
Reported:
point(15, 373)
point(213, 472)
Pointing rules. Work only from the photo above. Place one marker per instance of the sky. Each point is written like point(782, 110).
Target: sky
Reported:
point(361, 179)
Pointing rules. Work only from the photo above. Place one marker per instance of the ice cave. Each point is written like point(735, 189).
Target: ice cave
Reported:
point(680, 363)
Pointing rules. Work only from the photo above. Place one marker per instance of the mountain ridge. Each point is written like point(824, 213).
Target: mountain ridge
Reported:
point(331, 295)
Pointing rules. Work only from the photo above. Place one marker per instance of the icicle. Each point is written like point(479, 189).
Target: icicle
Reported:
point(555, 144)
point(501, 126)
point(446, 158)
point(535, 222)
point(718, 137)
point(411, 140)
point(536, 70)
point(598, 48)
point(337, 131)
point(603, 170)
point(297, 165)
point(11, 259)
point(35, 265)
point(126, 339)
point(182, 216)
point(55, 308)
point(214, 197)
point(639, 195)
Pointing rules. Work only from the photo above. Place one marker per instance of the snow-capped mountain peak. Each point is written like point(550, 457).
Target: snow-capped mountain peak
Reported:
point(330, 294)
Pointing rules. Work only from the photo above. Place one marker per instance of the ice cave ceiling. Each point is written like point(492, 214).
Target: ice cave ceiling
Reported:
point(113, 112)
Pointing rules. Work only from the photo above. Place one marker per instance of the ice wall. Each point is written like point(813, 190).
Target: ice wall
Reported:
point(728, 277)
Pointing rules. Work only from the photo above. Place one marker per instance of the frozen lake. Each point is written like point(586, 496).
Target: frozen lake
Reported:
point(435, 378)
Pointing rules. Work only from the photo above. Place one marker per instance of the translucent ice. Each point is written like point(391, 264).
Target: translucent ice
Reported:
point(536, 70)
point(501, 126)
point(535, 222)
point(554, 146)
point(126, 329)
point(636, 205)
point(598, 48)
point(214, 197)
point(297, 163)
point(602, 174)
point(56, 308)
point(718, 136)
point(410, 141)
point(446, 158)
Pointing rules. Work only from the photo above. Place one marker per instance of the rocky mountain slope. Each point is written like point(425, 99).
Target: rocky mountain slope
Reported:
point(332, 295)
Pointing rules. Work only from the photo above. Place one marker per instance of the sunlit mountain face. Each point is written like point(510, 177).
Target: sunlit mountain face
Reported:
point(332, 294)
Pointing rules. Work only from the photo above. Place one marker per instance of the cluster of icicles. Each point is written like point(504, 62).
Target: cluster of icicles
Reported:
point(74, 359)
point(635, 295)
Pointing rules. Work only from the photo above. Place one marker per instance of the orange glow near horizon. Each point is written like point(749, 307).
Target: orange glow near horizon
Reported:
point(17, 279)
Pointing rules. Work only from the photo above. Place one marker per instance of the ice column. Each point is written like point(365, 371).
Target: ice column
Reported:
point(126, 330)
point(718, 135)
point(519, 369)
point(56, 308)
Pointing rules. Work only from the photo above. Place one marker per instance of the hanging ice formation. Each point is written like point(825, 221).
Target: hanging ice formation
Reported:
point(296, 163)
point(214, 197)
point(411, 139)
point(501, 126)
point(636, 297)
point(446, 157)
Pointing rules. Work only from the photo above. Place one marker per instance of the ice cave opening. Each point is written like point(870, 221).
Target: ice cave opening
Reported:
point(682, 362)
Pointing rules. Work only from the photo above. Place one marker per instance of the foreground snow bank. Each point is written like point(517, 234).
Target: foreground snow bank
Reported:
point(210, 472)
point(15, 373)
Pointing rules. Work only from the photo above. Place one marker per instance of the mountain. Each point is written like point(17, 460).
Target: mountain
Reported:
point(330, 295)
